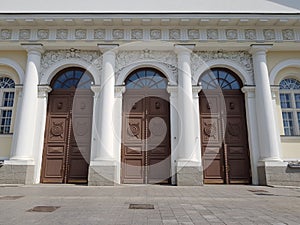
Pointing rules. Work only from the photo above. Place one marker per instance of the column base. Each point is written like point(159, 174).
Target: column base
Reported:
point(17, 172)
point(102, 173)
point(189, 174)
point(273, 173)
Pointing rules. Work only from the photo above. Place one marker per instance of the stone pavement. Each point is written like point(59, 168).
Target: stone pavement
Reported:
point(209, 204)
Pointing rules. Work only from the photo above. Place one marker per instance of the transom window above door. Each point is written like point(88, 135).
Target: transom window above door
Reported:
point(146, 78)
point(220, 78)
point(7, 95)
point(290, 106)
point(72, 78)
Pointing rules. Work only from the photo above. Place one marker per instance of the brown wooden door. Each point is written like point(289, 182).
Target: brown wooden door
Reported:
point(224, 141)
point(145, 145)
point(67, 137)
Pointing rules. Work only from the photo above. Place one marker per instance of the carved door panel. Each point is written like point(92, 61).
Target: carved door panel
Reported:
point(224, 137)
point(145, 145)
point(67, 137)
point(211, 136)
point(80, 139)
point(238, 163)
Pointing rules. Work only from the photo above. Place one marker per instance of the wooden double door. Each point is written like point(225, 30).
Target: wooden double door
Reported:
point(225, 151)
point(66, 153)
point(145, 152)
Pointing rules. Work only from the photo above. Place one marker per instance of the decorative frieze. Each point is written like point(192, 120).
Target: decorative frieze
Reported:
point(241, 57)
point(51, 57)
point(127, 58)
point(184, 33)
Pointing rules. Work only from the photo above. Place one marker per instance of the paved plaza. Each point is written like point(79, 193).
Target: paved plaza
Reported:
point(208, 204)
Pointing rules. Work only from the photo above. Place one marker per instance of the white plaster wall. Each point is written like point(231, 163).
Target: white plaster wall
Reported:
point(258, 6)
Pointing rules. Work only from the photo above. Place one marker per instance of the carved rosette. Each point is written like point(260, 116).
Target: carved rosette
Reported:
point(133, 130)
point(43, 34)
point(269, 34)
point(210, 130)
point(57, 129)
point(5, 34)
point(24, 34)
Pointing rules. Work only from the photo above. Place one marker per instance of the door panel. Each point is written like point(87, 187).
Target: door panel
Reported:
point(224, 137)
point(146, 147)
point(67, 137)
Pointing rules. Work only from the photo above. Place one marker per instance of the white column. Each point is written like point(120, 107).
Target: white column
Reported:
point(106, 129)
point(187, 142)
point(119, 90)
point(174, 129)
point(26, 116)
point(43, 91)
point(268, 135)
point(253, 139)
point(95, 142)
point(196, 90)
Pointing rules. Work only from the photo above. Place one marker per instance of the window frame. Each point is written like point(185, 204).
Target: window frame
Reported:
point(293, 109)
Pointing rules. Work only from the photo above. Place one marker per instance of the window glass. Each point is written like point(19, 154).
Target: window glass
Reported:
point(73, 78)
point(7, 95)
point(149, 78)
point(219, 78)
point(285, 101)
point(288, 123)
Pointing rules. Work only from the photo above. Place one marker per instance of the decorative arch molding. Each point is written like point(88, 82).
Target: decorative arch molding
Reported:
point(54, 61)
point(282, 65)
point(49, 74)
point(243, 74)
point(14, 65)
point(126, 71)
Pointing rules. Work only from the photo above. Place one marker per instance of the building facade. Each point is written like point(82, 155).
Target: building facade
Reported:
point(186, 98)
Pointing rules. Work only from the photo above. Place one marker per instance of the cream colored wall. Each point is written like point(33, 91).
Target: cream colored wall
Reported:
point(276, 57)
point(5, 146)
point(290, 145)
point(290, 148)
point(20, 57)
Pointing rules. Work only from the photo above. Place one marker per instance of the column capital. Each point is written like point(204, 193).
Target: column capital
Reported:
point(119, 90)
point(184, 48)
point(275, 91)
point(30, 48)
point(171, 89)
point(43, 91)
point(249, 91)
point(259, 48)
point(196, 89)
point(106, 48)
point(96, 89)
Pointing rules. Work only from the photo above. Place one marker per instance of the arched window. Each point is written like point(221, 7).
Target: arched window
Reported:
point(7, 94)
point(290, 106)
point(146, 78)
point(72, 78)
point(220, 78)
